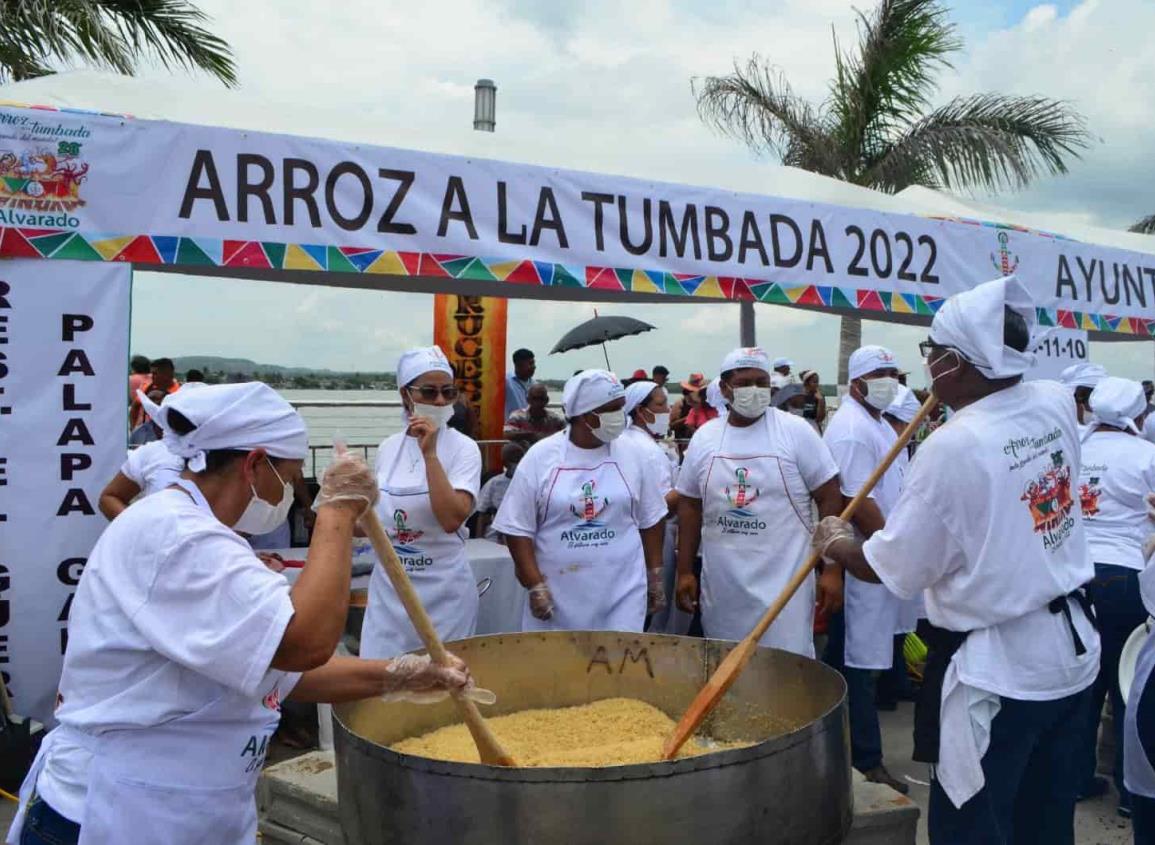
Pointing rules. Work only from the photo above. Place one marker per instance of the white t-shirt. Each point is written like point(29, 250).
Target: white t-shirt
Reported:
point(400, 464)
point(988, 524)
point(173, 611)
point(152, 467)
point(659, 470)
point(489, 499)
point(806, 460)
point(523, 507)
point(858, 443)
point(1118, 472)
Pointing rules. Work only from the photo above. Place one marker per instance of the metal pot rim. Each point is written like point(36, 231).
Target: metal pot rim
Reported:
point(543, 774)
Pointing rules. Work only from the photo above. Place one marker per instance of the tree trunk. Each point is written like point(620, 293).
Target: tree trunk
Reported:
point(849, 339)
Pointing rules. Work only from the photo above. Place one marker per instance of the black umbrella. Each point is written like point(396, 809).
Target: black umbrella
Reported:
point(600, 330)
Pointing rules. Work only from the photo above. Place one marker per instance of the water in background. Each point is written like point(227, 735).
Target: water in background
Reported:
point(364, 427)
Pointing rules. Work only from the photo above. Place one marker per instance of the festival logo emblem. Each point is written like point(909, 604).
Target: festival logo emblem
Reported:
point(272, 701)
point(743, 495)
point(1089, 496)
point(42, 179)
point(404, 536)
point(1048, 496)
point(1003, 260)
point(588, 515)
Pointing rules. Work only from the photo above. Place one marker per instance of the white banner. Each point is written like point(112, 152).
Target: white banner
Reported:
point(1059, 350)
point(63, 428)
point(154, 192)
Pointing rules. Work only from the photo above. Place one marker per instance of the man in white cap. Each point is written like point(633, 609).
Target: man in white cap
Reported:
point(784, 367)
point(1081, 379)
point(745, 493)
point(862, 637)
point(1118, 473)
point(583, 523)
point(182, 644)
point(988, 525)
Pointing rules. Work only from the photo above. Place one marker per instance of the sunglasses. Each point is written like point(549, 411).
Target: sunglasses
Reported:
point(430, 392)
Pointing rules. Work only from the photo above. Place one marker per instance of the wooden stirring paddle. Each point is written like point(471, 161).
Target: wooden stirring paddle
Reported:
point(730, 668)
point(487, 745)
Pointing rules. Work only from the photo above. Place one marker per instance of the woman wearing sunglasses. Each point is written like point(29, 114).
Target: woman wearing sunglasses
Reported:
point(428, 476)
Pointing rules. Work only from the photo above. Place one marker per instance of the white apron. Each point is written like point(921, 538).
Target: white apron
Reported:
point(590, 552)
point(873, 617)
point(190, 781)
point(1138, 768)
point(436, 563)
point(756, 526)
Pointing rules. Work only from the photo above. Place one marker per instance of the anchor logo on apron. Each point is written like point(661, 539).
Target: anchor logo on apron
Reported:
point(405, 536)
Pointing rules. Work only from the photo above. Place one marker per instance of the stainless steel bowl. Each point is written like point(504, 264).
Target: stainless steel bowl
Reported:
point(792, 787)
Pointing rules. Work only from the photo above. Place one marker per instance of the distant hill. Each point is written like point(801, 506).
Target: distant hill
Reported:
point(218, 369)
point(245, 366)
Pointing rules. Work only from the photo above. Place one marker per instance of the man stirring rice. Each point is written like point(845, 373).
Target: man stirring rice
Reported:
point(988, 524)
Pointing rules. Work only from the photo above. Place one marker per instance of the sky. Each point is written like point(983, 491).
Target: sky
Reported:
point(605, 86)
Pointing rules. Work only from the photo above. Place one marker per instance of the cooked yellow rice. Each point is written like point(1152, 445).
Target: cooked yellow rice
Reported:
point(612, 732)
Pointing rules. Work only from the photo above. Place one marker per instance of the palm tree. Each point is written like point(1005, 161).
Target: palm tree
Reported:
point(1146, 226)
point(113, 34)
point(876, 127)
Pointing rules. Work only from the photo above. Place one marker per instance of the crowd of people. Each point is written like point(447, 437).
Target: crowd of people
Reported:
point(1011, 535)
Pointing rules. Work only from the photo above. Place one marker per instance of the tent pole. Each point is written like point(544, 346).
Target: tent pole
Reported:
point(746, 323)
point(607, 354)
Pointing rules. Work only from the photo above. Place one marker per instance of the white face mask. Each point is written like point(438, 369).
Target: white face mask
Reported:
point(750, 402)
point(660, 427)
point(260, 517)
point(880, 392)
point(611, 424)
point(439, 414)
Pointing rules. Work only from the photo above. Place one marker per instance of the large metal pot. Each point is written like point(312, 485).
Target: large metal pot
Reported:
point(791, 788)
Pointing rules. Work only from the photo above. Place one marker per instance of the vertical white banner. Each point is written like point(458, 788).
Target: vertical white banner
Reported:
point(64, 329)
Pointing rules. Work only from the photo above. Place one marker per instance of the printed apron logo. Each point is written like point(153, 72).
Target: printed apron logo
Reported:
point(1048, 498)
point(1002, 260)
point(1089, 494)
point(589, 530)
point(413, 556)
point(739, 519)
point(41, 186)
point(272, 701)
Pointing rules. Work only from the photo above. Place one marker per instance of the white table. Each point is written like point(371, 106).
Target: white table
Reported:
point(503, 597)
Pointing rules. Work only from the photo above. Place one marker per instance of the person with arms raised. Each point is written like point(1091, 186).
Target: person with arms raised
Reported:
point(582, 522)
point(987, 524)
point(744, 495)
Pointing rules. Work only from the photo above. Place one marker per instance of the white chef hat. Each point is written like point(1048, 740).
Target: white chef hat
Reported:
point(230, 416)
point(590, 389)
point(867, 359)
point(1118, 402)
point(905, 405)
point(714, 397)
point(783, 362)
point(637, 393)
point(753, 357)
point(1084, 374)
point(973, 322)
point(416, 362)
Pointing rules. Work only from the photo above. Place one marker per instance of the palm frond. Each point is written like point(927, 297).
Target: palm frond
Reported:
point(756, 105)
point(108, 33)
point(1146, 226)
point(986, 141)
point(887, 82)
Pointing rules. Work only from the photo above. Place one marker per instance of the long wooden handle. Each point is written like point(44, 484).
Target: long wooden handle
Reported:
point(730, 668)
point(487, 744)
